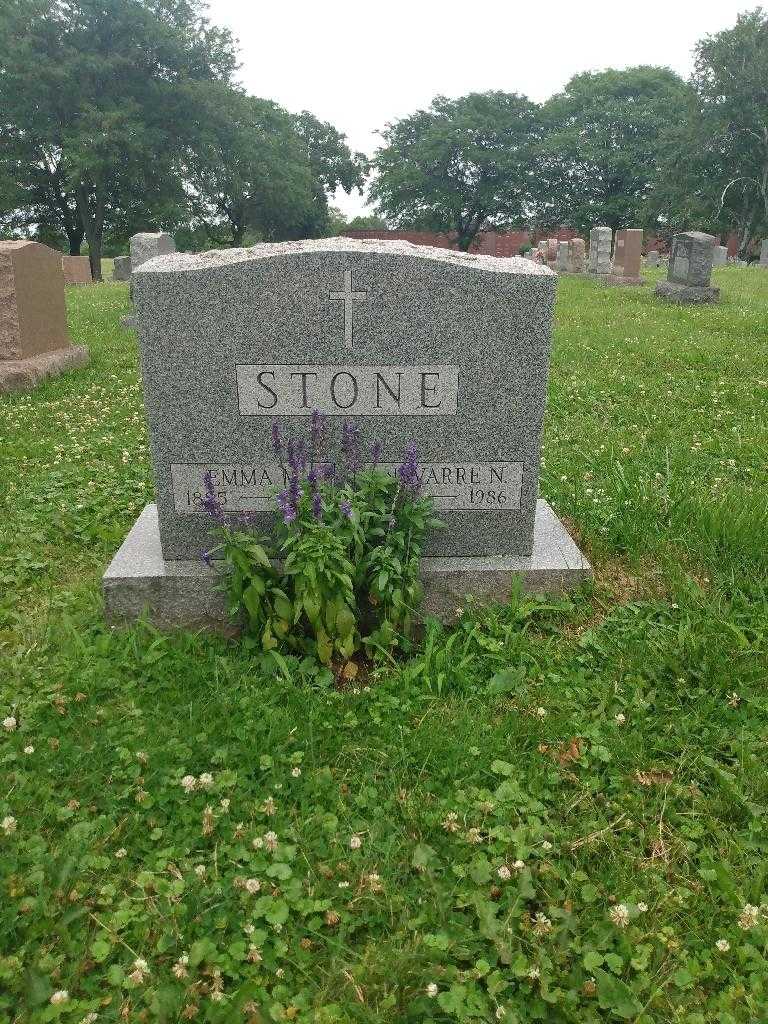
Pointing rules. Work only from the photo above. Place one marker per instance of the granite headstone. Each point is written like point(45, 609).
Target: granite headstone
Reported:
point(690, 269)
point(121, 268)
point(720, 256)
point(76, 270)
point(411, 342)
point(600, 240)
point(148, 244)
point(652, 259)
point(561, 261)
point(34, 340)
point(764, 253)
point(576, 250)
point(627, 257)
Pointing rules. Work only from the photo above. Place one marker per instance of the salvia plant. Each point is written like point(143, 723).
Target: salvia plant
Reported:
point(339, 572)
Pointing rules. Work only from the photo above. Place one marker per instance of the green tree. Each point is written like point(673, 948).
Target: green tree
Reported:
point(605, 145)
point(96, 100)
point(731, 82)
point(333, 166)
point(460, 165)
point(367, 222)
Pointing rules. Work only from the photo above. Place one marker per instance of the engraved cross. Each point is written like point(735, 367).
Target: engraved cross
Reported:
point(347, 297)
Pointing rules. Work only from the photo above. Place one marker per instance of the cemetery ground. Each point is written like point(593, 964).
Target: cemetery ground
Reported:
point(555, 810)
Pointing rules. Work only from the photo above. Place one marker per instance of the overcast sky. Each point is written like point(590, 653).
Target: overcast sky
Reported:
point(362, 64)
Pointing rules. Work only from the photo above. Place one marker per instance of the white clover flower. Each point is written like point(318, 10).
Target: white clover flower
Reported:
point(296, 772)
point(224, 804)
point(189, 783)
point(534, 973)
point(252, 885)
point(280, 972)
point(90, 1018)
point(541, 924)
point(723, 945)
point(748, 917)
point(205, 781)
point(8, 824)
point(122, 852)
point(179, 969)
point(432, 990)
point(270, 841)
point(200, 870)
point(501, 1013)
point(254, 954)
point(451, 822)
point(269, 807)
point(217, 996)
point(59, 997)
point(249, 929)
point(642, 907)
point(29, 749)
point(504, 873)
point(620, 718)
point(541, 712)
point(9, 724)
point(355, 843)
point(343, 885)
point(519, 865)
point(620, 915)
point(733, 699)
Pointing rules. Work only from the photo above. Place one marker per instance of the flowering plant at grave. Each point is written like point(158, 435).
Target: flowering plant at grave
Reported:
point(341, 569)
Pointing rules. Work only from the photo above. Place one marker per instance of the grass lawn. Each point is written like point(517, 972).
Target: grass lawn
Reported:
point(554, 811)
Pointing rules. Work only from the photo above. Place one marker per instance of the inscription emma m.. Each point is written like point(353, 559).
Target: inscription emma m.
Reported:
point(295, 390)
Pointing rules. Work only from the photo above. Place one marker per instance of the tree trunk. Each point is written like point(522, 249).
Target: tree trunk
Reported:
point(90, 206)
point(75, 238)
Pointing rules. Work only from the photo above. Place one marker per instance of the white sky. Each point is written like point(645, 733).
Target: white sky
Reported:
point(362, 64)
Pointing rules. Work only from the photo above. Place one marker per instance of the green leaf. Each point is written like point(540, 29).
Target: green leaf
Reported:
point(100, 950)
point(613, 994)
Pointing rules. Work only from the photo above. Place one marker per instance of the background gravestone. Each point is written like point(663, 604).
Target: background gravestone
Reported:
point(34, 341)
point(561, 262)
point(652, 259)
point(627, 257)
point(551, 252)
point(764, 253)
point(147, 244)
point(413, 343)
point(600, 240)
point(720, 256)
point(76, 270)
point(121, 268)
point(690, 269)
point(576, 249)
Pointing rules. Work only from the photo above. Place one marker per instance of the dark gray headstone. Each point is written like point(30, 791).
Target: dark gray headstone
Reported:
point(690, 270)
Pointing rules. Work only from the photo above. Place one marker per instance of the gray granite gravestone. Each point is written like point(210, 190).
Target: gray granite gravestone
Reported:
point(720, 256)
point(600, 240)
point(652, 259)
point(764, 253)
point(448, 349)
point(576, 247)
point(561, 261)
point(148, 244)
point(121, 268)
point(690, 269)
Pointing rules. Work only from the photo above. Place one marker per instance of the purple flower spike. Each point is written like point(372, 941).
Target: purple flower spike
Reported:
point(350, 446)
point(210, 502)
point(329, 471)
point(408, 471)
point(289, 514)
point(317, 505)
point(317, 429)
point(312, 478)
point(346, 508)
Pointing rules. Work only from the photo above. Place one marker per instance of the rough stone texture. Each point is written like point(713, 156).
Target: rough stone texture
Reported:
point(481, 323)
point(543, 249)
point(764, 253)
point(686, 294)
point(561, 262)
point(720, 256)
point(33, 315)
point(652, 259)
point(76, 270)
point(184, 594)
point(148, 244)
point(627, 257)
point(576, 255)
point(600, 240)
point(121, 268)
point(25, 374)
point(690, 262)
point(552, 244)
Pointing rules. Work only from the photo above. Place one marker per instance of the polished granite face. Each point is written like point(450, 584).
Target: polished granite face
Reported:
point(445, 349)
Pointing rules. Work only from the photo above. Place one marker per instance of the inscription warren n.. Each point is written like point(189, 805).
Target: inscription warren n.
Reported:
point(295, 390)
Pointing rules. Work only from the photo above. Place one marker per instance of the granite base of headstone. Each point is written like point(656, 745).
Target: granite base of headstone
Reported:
point(652, 259)
point(76, 270)
point(690, 269)
point(121, 268)
point(409, 342)
point(627, 258)
point(34, 340)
